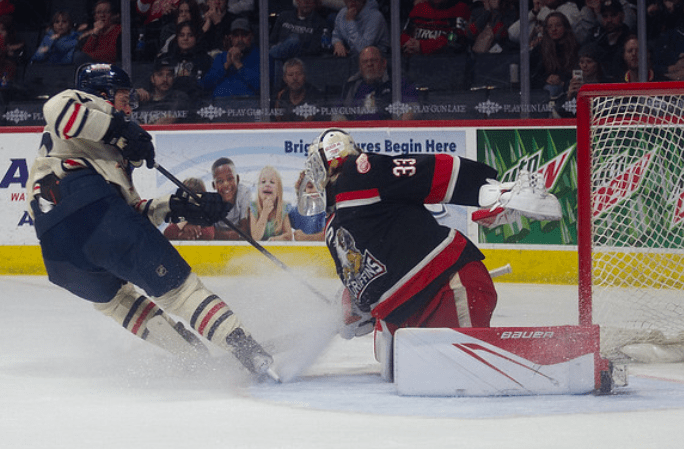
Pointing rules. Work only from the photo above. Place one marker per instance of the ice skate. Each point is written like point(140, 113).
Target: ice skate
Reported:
point(527, 196)
point(251, 354)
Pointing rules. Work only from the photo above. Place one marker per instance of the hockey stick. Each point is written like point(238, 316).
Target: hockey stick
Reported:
point(242, 234)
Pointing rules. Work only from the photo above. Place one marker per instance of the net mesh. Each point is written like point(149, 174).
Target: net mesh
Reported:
point(637, 217)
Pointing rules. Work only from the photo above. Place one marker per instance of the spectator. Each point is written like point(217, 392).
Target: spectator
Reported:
point(184, 230)
point(590, 65)
point(371, 90)
point(488, 25)
point(662, 16)
point(226, 181)
point(15, 47)
point(268, 216)
point(590, 19)
point(630, 57)
point(187, 11)
point(668, 55)
point(190, 60)
point(611, 36)
point(429, 25)
point(297, 32)
point(236, 70)
point(163, 105)
point(59, 43)
point(297, 92)
point(102, 43)
point(538, 15)
point(8, 68)
point(309, 227)
point(358, 25)
point(553, 60)
point(217, 23)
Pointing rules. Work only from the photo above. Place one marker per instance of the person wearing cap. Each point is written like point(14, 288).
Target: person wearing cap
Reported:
point(163, 104)
point(235, 72)
point(590, 65)
point(590, 19)
point(611, 36)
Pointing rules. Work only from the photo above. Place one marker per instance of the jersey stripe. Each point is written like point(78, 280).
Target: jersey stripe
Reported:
point(444, 179)
point(60, 117)
point(70, 122)
point(82, 123)
point(357, 198)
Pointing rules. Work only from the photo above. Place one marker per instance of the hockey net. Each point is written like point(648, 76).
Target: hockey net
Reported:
point(631, 213)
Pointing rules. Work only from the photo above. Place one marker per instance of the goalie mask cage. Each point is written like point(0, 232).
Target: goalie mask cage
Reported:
point(631, 212)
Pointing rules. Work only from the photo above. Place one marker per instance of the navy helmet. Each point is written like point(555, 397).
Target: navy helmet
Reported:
point(100, 78)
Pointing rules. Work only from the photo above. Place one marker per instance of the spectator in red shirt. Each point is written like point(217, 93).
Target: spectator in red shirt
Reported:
point(102, 42)
point(430, 23)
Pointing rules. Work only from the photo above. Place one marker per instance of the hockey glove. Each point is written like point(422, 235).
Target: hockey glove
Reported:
point(210, 209)
point(134, 142)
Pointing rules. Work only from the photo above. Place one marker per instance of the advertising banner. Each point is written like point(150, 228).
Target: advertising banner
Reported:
point(17, 151)
point(551, 152)
point(191, 153)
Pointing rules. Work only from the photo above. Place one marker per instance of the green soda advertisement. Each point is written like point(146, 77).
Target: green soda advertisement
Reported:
point(551, 152)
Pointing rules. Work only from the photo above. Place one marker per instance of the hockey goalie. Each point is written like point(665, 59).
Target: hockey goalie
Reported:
point(400, 268)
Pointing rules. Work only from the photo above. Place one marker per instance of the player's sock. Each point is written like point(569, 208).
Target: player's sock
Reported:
point(134, 312)
point(214, 320)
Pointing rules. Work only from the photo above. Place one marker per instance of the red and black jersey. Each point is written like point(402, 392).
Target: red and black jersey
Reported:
point(431, 25)
point(388, 249)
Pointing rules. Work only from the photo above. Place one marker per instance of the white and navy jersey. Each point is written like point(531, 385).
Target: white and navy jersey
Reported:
point(72, 139)
point(389, 250)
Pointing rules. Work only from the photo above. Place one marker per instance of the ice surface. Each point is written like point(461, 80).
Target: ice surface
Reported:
point(71, 378)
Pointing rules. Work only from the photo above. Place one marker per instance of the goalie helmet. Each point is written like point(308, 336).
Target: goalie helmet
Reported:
point(326, 155)
point(98, 79)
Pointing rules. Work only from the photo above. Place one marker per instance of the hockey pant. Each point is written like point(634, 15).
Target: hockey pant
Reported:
point(467, 300)
point(94, 244)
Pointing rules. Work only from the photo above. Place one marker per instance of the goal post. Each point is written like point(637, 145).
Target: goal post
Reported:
point(630, 218)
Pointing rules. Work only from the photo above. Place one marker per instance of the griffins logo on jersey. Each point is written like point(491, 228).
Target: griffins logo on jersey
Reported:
point(358, 269)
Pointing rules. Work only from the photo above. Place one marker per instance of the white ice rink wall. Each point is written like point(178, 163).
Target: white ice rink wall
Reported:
point(537, 252)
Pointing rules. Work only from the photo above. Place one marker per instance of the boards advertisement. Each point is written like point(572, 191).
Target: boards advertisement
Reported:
point(550, 152)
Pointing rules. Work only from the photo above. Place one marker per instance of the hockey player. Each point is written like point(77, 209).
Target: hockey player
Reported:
point(99, 238)
point(399, 266)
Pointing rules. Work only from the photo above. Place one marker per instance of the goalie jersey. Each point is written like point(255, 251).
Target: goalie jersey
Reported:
point(388, 249)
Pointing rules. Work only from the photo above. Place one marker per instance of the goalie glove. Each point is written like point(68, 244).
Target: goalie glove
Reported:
point(134, 142)
point(355, 322)
point(507, 201)
point(209, 210)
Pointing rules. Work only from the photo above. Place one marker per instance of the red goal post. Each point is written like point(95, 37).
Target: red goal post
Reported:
point(630, 219)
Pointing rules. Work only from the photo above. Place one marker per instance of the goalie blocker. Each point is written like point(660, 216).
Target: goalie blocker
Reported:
point(502, 361)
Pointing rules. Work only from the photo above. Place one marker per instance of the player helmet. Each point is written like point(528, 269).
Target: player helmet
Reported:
point(327, 153)
point(98, 79)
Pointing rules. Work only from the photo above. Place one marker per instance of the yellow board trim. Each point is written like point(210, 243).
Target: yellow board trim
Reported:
point(530, 266)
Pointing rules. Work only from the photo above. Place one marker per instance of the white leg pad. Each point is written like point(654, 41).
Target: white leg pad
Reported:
point(204, 310)
point(383, 350)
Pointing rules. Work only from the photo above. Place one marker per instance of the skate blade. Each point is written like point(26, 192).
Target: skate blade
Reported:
point(270, 372)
